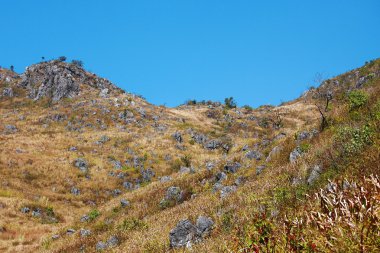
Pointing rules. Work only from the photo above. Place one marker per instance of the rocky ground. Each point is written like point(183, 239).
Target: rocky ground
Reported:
point(88, 167)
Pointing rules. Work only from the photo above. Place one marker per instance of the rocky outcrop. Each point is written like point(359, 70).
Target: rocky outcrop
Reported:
point(56, 80)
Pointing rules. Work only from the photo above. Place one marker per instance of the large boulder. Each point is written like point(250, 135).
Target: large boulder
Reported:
point(183, 234)
point(186, 233)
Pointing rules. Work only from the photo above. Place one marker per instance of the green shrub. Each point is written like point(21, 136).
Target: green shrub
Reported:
point(93, 214)
point(357, 99)
point(353, 140)
point(132, 224)
point(248, 108)
point(305, 147)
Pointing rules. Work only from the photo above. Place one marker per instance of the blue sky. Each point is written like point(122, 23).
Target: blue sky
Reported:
point(259, 52)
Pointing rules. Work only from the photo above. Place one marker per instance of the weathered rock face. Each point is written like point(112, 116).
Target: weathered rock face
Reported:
point(57, 80)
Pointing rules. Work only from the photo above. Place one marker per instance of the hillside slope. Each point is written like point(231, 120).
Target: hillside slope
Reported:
point(88, 167)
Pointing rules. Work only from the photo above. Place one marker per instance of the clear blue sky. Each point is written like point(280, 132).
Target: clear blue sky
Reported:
point(259, 52)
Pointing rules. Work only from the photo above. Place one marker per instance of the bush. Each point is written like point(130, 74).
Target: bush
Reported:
point(191, 102)
point(357, 99)
point(132, 224)
point(229, 103)
point(62, 58)
point(353, 140)
point(248, 108)
point(93, 214)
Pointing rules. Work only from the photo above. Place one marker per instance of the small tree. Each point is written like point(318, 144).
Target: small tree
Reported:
point(63, 58)
point(12, 68)
point(323, 97)
point(229, 103)
point(78, 63)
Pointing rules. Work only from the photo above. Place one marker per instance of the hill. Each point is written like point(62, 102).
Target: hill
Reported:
point(88, 167)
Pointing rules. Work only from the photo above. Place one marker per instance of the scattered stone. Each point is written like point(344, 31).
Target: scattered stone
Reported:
point(260, 169)
point(103, 140)
point(55, 237)
point(204, 226)
point(220, 176)
point(210, 165)
point(314, 175)
point(216, 187)
point(112, 241)
point(213, 144)
point(84, 232)
point(116, 192)
point(100, 246)
point(184, 170)
point(8, 92)
point(165, 179)
point(10, 129)
point(245, 147)
point(178, 137)
point(103, 93)
point(36, 212)
point(75, 191)
point(199, 138)
point(25, 210)
point(240, 180)
point(147, 174)
point(227, 190)
point(85, 218)
point(253, 155)
point(128, 185)
point(274, 153)
point(73, 149)
point(295, 154)
point(70, 231)
point(331, 186)
point(81, 164)
point(232, 168)
point(124, 203)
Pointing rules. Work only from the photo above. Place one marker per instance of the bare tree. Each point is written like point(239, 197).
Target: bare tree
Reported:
point(323, 96)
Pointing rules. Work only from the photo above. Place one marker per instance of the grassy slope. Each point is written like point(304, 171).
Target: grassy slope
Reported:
point(250, 219)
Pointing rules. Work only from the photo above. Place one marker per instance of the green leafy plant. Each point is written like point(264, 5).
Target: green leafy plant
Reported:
point(357, 99)
point(132, 224)
point(93, 214)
